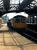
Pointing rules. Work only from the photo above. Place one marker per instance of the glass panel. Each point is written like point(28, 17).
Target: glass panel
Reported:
point(14, 1)
point(32, 5)
point(1, 3)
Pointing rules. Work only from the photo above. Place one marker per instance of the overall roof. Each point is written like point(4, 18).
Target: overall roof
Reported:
point(28, 6)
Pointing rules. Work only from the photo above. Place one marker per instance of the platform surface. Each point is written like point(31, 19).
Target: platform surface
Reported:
point(15, 41)
point(4, 27)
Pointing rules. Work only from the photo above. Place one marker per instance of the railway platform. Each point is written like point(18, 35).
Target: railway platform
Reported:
point(15, 41)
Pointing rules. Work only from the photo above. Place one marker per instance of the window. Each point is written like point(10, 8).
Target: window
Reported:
point(15, 1)
point(14, 4)
point(1, 5)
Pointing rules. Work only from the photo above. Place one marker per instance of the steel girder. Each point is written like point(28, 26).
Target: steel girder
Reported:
point(6, 6)
point(24, 4)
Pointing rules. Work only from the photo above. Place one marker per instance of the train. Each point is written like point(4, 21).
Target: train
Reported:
point(20, 26)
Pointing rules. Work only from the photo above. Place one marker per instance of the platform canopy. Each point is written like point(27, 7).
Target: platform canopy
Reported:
point(7, 6)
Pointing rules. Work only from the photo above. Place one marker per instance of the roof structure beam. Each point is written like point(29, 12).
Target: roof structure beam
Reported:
point(24, 4)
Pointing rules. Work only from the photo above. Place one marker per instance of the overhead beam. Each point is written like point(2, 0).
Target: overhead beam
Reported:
point(31, 11)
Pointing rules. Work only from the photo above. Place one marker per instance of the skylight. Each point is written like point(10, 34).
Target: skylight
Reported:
point(14, 4)
point(1, 3)
point(15, 1)
point(32, 4)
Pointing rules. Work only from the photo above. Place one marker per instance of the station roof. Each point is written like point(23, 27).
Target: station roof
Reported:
point(7, 6)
